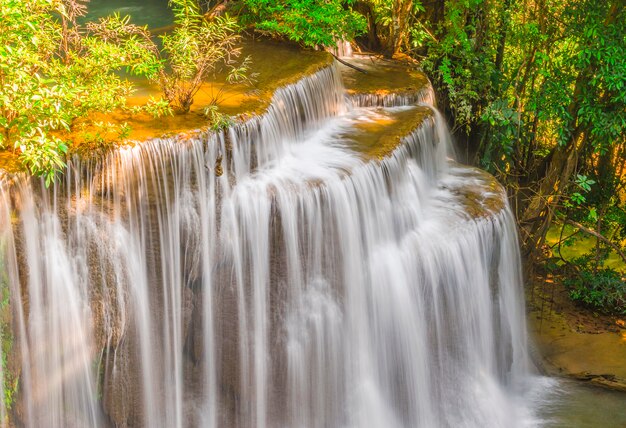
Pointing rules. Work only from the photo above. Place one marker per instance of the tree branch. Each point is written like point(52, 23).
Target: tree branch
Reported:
point(599, 236)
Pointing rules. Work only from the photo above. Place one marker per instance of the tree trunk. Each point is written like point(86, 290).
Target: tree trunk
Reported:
point(536, 218)
point(400, 24)
point(504, 27)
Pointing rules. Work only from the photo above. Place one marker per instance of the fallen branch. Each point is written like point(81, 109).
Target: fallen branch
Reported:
point(592, 232)
point(349, 65)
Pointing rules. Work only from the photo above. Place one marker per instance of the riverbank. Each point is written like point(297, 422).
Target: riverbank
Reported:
point(575, 342)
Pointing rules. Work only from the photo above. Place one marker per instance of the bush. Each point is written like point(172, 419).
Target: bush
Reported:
point(603, 290)
point(309, 22)
point(198, 47)
point(54, 72)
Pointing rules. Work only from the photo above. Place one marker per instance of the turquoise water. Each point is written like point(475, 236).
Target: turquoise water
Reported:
point(576, 405)
point(154, 13)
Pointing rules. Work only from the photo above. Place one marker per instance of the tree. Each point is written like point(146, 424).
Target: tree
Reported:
point(198, 46)
point(591, 115)
point(52, 73)
point(536, 89)
point(309, 22)
point(395, 23)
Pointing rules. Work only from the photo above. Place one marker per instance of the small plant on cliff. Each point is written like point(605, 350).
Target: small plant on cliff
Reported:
point(99, 137)
point(9, 380)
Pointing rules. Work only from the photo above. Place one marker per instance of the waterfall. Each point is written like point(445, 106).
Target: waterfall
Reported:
point(266, 276)
point(341, 49)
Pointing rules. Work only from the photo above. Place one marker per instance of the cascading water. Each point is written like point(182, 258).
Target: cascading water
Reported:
point(267, 276)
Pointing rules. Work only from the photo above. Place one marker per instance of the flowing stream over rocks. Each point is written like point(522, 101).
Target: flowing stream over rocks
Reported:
point(266, 276)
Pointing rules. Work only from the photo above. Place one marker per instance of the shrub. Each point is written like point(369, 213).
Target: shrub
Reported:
point(603, 290)
point(53, 72)
point(198, 47)
point(309, 22)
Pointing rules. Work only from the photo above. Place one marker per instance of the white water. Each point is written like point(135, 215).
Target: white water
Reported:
point(302, 287)
point(343, 49)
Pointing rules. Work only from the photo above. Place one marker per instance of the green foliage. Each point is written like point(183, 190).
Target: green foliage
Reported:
point(99, 137)
point(538, 92)
point(520, 78)
point(42, 153)
point(238, 75)
point(154, 107)
point(504, 124)
point(122, 45)
point(397, 24)
point(54, 71)
point(10, 381)
point(309, 22)
point(460, 61)
point(197, 48)
point(603, 290)
point(32, 100)
point(219, 121)
point(577, 198)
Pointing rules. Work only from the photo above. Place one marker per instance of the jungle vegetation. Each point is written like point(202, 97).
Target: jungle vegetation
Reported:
point(56, 71)
point(534, 91)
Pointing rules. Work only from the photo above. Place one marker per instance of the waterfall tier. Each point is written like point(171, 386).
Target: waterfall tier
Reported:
point(277, 274)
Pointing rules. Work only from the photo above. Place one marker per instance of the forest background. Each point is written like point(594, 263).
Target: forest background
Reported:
point(533, 90)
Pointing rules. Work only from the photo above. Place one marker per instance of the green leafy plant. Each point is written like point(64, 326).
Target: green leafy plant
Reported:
point(309, 22)
point(198, 47)
point(583, 184)
point(154, 107)
point(603, 290)
point(218, 119)
point(397, 24)
point(10, 380)
point(54, 72)
point(237, 75)
point(99, 137)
